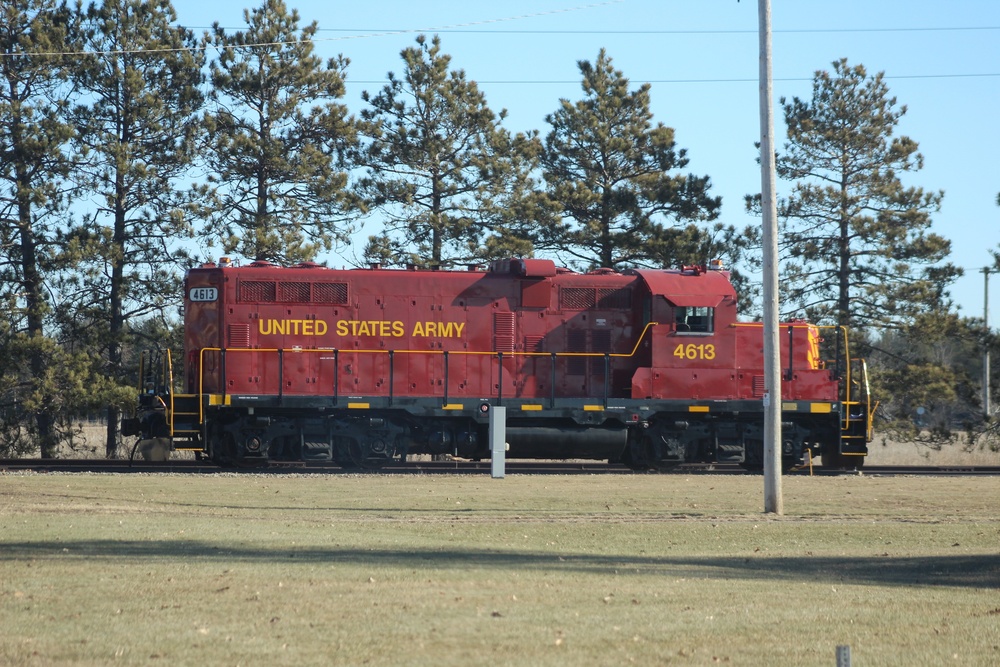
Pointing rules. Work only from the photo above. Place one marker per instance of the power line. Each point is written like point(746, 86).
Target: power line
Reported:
point(364, 32)
point(496, 82)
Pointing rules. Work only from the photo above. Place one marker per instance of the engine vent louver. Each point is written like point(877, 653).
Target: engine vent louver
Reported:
point(330, 293)
point(266, 291)
point(576, 298)
point(258, 290)
point(586, 298)
point(293, 292)
point(503, 332)
point(239, 335)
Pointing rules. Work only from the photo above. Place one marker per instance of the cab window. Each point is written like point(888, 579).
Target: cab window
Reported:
point(694, 319)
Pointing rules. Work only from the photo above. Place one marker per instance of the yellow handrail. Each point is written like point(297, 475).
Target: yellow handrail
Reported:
point(293, 350)
point(841, 330)
point(169, 379)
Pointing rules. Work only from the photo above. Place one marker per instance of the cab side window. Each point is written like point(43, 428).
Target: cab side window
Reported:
point(694, 319)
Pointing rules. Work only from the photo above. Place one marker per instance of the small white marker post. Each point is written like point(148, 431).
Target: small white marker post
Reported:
point(498, 441)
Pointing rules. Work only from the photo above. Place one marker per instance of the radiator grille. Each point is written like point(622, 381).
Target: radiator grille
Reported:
point(257, 290)
point(576, 298)
point(294, 292)
point(612, 299)
point(330, 293)
point(585, 298)
point(266, 291)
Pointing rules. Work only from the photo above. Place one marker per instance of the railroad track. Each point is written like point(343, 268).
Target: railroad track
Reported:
point(457, 467)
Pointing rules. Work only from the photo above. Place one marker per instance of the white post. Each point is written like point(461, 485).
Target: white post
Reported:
point(772, 352)
point(498, 441)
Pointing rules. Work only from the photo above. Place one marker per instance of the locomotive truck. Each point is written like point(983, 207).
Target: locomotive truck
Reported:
point(650, 368)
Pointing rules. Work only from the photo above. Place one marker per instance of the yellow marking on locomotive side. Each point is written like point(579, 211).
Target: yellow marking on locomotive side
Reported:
point(791, 407)
point(268, 327)
point(821, 407)
point(358, 406)
point(531, 408)
point(381, 328)
point(453, 406)
point(393, 329)
point(438, 329)
point(698, 408)
point(593, 408)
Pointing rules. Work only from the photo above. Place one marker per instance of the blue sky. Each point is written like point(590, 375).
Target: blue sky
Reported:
point(940, 59)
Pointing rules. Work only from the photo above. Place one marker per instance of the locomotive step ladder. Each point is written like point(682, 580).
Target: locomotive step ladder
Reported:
point(181, 412)
point(856, 427)
point(184, 419)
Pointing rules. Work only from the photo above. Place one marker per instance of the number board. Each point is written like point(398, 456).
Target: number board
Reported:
point(204, 294)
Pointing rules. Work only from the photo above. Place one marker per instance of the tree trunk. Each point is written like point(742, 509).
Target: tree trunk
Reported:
point(33, 297)
point(116, 315)
point(111, 442)
point(844, 266)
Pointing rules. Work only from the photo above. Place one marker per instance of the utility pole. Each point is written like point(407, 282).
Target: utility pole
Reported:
point(986, 344)
point(773, 502)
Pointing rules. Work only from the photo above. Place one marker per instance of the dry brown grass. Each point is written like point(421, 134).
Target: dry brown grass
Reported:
point(529, 570)
point(883, 451)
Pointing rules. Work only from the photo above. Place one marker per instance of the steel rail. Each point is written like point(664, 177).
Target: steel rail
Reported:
point(460, 466)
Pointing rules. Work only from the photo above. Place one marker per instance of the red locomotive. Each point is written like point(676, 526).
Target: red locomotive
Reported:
point(647, 367)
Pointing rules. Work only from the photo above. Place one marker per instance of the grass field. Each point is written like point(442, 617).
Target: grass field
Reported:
point(529, 570)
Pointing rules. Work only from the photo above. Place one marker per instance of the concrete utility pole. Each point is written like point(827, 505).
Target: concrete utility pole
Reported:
point(986, 345)
point(773, 502)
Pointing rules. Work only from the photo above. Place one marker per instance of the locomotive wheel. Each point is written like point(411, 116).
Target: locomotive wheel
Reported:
point(635, 456)
point(356, 455)
point(224, 451)
point(753, 460)
point(224, 454)
point(645, 456)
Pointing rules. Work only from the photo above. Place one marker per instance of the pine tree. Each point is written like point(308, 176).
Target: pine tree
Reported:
point(138, 125)
point(927, 377)
point(611, 170)
point(856, 242)
point(34, 163)
point(279, 142)
point(442, 171)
